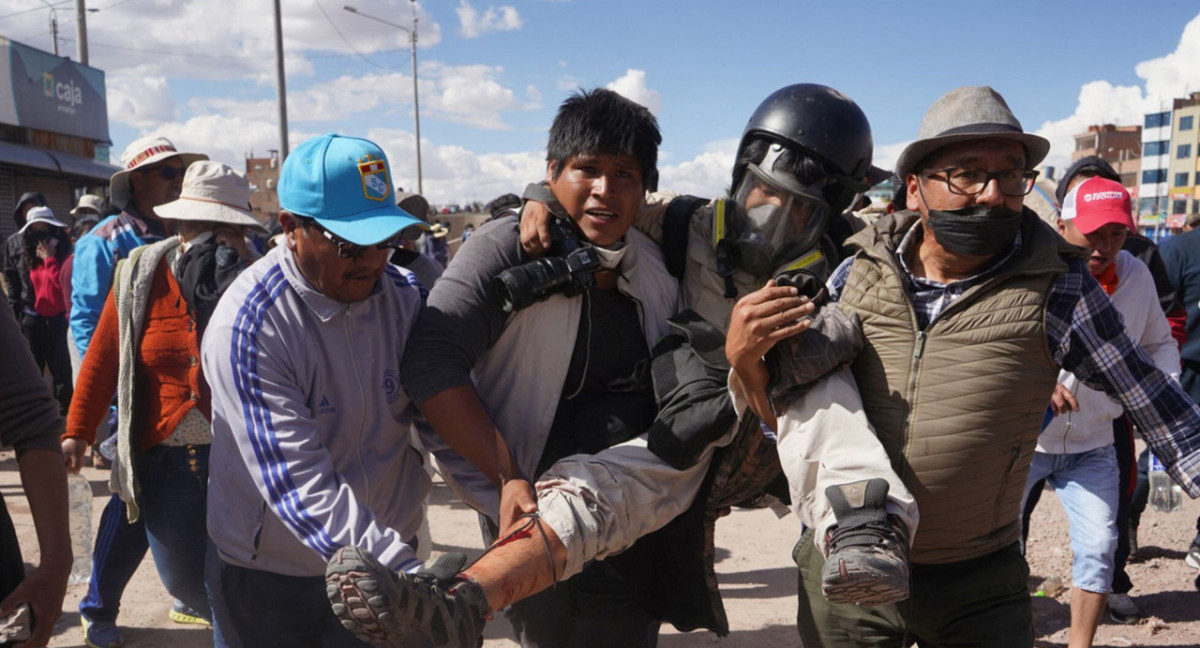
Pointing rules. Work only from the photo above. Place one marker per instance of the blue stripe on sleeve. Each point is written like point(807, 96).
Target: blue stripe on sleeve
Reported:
point(244, 358)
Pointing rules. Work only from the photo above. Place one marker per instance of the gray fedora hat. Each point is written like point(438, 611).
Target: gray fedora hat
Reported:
point(965, 114)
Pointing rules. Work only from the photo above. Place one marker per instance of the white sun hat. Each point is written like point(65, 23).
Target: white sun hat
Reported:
point(144, 152)
point(212, 192)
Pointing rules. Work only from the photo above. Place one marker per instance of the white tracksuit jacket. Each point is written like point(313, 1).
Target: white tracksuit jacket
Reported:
point(311, 426)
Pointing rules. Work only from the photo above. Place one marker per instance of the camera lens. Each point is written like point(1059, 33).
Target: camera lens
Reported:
point(528, 284)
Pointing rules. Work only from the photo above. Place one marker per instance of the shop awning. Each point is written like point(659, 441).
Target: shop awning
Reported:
point(26, 156)
point(55, 161)
point(77, 165)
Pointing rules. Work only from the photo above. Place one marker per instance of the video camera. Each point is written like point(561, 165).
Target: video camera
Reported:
point(567, 270)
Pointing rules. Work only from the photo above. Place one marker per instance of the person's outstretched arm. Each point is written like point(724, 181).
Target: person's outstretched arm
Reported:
point(32, 426)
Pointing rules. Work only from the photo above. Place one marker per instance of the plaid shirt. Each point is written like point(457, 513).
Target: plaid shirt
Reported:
point(1087, 338)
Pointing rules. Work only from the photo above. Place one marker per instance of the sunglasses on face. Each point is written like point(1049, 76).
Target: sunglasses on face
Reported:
point(346, 249)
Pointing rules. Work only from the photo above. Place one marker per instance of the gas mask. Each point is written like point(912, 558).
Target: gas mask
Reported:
point(781, 219)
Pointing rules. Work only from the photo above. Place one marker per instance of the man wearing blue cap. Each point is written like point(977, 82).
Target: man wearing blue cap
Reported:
point(310, 424)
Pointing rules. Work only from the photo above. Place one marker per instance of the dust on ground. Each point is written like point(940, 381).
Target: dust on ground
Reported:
point(758, 578)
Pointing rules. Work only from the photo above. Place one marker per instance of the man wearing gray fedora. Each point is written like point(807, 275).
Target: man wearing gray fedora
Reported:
point(970, 306)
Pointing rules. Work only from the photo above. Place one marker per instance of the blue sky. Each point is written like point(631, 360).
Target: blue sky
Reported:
point(492, 74)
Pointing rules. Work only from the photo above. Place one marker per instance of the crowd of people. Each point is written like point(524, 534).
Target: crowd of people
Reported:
point(601, 373)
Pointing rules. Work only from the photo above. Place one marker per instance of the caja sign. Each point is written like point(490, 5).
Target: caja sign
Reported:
point(68, 94)
point(51, 93)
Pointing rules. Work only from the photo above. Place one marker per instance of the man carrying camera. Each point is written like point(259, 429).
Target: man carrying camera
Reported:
point(510, 394)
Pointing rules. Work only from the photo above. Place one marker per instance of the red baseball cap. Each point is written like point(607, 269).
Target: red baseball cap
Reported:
point(1096, 202)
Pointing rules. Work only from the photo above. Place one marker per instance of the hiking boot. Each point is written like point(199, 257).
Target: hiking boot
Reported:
point(868, 549)
point(390, 610)
point(1193, 554)
point(1122, 609)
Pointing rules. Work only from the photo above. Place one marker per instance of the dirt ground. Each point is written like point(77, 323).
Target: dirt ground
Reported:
point(757, 578)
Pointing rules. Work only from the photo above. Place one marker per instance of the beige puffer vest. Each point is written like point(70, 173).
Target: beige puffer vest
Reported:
point(958, 406)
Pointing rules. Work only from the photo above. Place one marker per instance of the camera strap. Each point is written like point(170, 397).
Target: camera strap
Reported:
point(540, 192)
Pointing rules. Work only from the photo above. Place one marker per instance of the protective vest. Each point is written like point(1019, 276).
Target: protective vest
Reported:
point(958, 406)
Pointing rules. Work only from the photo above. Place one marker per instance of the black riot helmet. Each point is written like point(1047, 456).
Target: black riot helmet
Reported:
point(819, 120)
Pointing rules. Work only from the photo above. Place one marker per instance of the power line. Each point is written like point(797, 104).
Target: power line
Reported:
point(246, 57)
point(27, 39)
point(344, 39)
point(41, 8)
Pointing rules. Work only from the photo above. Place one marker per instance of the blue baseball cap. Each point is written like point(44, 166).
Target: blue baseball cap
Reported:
point(345, 184)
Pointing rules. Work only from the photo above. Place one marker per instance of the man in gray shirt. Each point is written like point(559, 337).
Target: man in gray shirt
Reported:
point(511, 395)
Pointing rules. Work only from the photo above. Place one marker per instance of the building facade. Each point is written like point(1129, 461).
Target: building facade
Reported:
point(53, 130)
point(263, 176)
point(1182, 156)
point(1152, 199)
point(1120, 146)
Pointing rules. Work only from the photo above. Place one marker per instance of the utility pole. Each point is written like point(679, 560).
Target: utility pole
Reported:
point(81, 48)
point(280, 85)
point(416, 98)
point(53, 25)
point(412, 33)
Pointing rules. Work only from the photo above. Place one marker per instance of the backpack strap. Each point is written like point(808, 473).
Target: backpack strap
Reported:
point(676, 222)
point(724, 245)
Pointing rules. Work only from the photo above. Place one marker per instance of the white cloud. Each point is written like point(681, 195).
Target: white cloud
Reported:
point(1100, 102)
point(464, 94)
point(140, 101)
point(471, 95)
point(1176, 73)
point(706, 175)
point(233, 39)
point(633, 87)
point(475, 24)
point(885, 156)
point(227, 139)
point(455, 174)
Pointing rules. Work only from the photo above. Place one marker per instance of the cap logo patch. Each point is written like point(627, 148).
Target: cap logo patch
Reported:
point(1103, 195)
point(373, 171)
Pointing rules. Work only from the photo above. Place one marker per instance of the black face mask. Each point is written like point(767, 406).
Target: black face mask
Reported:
point(975, 231)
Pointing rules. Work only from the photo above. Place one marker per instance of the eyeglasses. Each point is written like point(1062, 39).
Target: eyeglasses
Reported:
point(972, 182)
point(346, 249)
point(166, 172)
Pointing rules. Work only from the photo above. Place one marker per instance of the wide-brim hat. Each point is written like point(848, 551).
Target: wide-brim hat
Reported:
point(212, 192)
point(41, 214)
point(345, 184)
point(967, 114)
point(144, 152)
point(89, 201)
